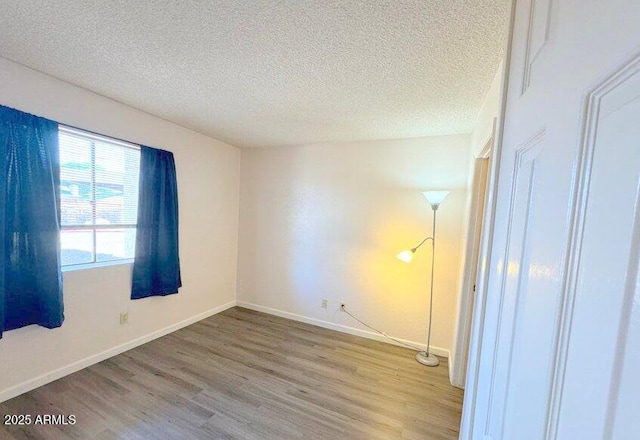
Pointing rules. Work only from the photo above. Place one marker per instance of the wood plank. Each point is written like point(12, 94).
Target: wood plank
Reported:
point(243, 374)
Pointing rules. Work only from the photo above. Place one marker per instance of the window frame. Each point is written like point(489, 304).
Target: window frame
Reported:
point(94, 228)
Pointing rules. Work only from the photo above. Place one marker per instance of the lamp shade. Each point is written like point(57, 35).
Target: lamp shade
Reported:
point(435, 197)
point(406, 256)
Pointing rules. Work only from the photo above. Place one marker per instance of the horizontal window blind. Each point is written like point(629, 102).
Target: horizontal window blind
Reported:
point(99, 197)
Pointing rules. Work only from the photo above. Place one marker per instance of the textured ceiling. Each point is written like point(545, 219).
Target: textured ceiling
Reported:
point(272, 72)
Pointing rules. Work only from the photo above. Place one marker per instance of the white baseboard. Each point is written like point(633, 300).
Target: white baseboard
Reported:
point(339, 327)
point(44, 379)
point(34, 383)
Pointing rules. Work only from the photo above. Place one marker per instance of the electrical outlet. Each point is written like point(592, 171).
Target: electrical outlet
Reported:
point(325, 303)
point(124, 318)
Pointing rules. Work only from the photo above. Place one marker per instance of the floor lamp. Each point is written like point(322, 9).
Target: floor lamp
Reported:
point(434, 198)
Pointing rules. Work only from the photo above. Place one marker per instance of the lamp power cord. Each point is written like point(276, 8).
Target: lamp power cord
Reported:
point(397, 341)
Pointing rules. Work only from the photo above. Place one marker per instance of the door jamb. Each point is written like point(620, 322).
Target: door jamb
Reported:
point(478, 323)
point(471, 268)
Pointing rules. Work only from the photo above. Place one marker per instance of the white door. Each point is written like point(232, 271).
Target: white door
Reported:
point(556, 344)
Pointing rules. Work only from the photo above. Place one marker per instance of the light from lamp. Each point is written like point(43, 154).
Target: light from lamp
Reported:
point(406, 256)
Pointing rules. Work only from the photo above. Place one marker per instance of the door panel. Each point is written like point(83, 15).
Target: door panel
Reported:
point(539, 17)
point(558, 338)
point(514, 283)
point(603, 354)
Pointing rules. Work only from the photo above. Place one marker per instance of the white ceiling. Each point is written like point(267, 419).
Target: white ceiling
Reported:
point(272, 72)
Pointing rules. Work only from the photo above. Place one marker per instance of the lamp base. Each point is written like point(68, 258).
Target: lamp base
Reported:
point(427, 359)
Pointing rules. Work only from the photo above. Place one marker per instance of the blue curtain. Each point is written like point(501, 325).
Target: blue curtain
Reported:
point(156, 269)
point(30, 274)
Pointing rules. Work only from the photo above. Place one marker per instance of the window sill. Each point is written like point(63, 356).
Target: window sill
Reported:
point(77, 267)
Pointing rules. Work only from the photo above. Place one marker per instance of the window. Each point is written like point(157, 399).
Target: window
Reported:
point(99, 197)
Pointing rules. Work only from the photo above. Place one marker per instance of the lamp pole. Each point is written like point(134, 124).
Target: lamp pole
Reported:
point(425, 357)
point(434, 198)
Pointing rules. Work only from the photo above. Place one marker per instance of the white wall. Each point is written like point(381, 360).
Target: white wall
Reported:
point(325, 221)
point(208, 179)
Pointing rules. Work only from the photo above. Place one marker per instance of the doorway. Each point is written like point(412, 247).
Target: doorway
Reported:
point(466, 299)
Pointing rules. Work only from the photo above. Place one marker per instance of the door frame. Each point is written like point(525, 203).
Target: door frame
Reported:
point(478, 321)
point(471, 267)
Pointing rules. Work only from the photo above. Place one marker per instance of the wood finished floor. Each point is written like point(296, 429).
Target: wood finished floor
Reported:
point(247, 375)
